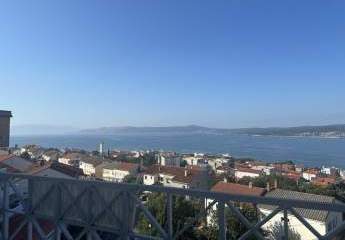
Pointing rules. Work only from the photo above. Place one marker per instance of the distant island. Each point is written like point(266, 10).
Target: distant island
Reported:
point(328, 131)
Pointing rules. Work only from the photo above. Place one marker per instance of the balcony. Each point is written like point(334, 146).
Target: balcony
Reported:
point(46, 208)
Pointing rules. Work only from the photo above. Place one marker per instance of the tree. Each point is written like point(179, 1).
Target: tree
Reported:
point(235, 228)
point(131, 179)
point(183, 210)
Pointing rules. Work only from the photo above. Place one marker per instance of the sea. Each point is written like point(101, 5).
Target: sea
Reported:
point(309, 151)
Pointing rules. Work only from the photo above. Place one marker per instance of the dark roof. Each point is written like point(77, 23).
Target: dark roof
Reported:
point(18, 163)
point(67, 169)
point(178, 173)
point(8, 168)
point(5, 113)
point(234, 188)
point(318, 215)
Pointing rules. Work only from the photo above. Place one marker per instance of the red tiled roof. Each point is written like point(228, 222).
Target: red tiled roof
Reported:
point(234, 188)
point(323, 181)
point(128, 166)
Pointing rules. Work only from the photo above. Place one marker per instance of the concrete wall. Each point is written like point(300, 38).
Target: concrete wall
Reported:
point(4, 131)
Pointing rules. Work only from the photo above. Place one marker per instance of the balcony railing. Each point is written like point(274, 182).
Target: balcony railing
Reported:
point(100, 207)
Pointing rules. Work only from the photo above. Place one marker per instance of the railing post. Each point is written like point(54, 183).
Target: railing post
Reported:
point(286, 225)
point(125, 216)
point(170, 215)
point(29, 232)
point(29, 209)
point(221, 220)
point(58, 212)
point(5, 208)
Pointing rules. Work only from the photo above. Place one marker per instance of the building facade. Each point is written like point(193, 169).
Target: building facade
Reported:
point(5, 117)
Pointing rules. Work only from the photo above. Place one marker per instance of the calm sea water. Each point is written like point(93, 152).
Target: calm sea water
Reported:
point(307, 151)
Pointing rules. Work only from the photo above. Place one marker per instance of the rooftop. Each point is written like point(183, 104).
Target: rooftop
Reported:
point(248, 170)
point(234, 188)
point(318, 215)
point(177, 172)
point(124, 166)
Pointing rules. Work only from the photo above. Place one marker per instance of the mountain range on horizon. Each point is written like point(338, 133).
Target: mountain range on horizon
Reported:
point(334, 130)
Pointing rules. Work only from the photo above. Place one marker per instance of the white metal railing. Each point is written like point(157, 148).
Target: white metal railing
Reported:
point(98, 207)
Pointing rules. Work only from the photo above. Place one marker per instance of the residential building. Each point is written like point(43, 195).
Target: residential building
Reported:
point(214, 161)
point(5, 117)
point(267, 170)
point(225, 170)
point(88, 164)
point(35, 152)
point(309, 174)
point(71, 158)
point(168, 159)
point(59, 170)
point(321, 221)
point(331, 171)
point(51, 155)
point(323, 181)
point(247, 172)
point(118, 171)
point(188, 177)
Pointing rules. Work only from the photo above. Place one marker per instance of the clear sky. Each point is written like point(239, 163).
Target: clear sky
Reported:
point(232, 63)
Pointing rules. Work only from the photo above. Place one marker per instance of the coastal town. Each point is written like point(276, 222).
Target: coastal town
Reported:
point(220, 173)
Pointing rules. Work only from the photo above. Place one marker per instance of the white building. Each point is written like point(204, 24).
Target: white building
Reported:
point(71, 158)
point(168, 159)
point(310, 174)
point(118, 171)
point(215, 162)
point(89, 164)
point(179, 177)
point(268, 170)
point(58, 170)
point(51, 155)
point(321, 221)
point(247, 172)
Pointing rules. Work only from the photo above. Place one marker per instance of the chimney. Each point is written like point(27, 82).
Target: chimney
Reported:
point(268, 187)
point(250, 184)
point(275, 183)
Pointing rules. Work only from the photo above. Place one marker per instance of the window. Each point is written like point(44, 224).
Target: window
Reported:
point(145, 177)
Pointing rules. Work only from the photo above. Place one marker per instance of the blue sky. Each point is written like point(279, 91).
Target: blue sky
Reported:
point(233, 63)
